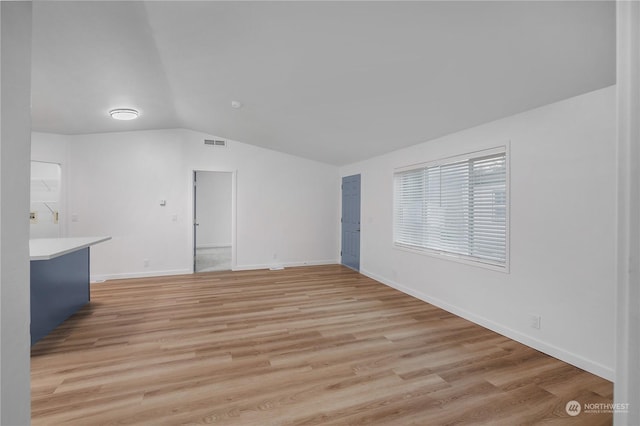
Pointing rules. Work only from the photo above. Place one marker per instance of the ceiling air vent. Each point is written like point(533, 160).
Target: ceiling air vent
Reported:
point(215, 142)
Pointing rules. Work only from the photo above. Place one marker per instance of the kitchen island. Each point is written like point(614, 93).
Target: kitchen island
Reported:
point(59, 280)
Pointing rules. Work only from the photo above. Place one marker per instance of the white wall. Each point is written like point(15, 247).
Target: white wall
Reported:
point(627, 381)
point(15, 135)
point(563, 200)
point(49, 148)
point(213, 209)
point(285, 204)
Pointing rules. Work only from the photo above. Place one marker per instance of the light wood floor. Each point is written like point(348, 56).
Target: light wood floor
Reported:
point(303, 346)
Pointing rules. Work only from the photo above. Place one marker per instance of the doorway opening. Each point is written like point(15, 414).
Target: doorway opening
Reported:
point(46, 197)
point(213, 221)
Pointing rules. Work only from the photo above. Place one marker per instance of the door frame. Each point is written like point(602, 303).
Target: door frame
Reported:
point(192, 210)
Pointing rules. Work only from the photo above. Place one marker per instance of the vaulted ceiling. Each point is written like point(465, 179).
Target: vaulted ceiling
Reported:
point(337, 82)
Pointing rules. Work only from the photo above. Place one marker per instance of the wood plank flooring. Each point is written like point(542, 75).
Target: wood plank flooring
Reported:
point(303, 346)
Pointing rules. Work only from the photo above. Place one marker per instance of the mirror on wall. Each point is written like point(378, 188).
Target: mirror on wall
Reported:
point(45, 199)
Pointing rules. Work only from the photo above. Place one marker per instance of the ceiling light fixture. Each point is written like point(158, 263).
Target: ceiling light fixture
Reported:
point(124, 114)
point(236, 104)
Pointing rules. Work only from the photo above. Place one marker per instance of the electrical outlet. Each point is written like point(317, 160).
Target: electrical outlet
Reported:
point(146, 263)
point(534, 321)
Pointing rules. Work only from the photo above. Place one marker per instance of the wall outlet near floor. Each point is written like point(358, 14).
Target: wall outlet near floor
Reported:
point(146, 263)
point(534, 321)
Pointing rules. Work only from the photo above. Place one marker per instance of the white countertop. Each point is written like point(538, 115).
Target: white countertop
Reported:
point(49, 248)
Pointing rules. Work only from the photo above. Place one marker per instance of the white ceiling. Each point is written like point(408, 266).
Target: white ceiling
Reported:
point(336, 82)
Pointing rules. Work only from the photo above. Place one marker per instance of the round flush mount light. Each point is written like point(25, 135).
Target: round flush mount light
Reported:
point(124, 114)
point(236, 104)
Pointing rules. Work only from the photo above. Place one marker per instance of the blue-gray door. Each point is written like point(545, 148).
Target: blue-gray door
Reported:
point(350, 251)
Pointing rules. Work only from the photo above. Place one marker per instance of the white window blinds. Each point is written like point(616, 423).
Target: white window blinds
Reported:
point(458, 208)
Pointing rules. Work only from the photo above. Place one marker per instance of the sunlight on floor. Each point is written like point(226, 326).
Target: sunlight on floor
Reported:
point(213, 259)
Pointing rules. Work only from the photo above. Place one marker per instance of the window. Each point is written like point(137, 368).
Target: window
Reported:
point(455, 207)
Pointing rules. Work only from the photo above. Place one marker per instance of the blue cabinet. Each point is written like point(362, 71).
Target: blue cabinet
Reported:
point(59, 287)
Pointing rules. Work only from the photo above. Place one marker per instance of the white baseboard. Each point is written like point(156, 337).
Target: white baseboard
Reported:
point(552, 350)
point(145, 274)
point(285, 265)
